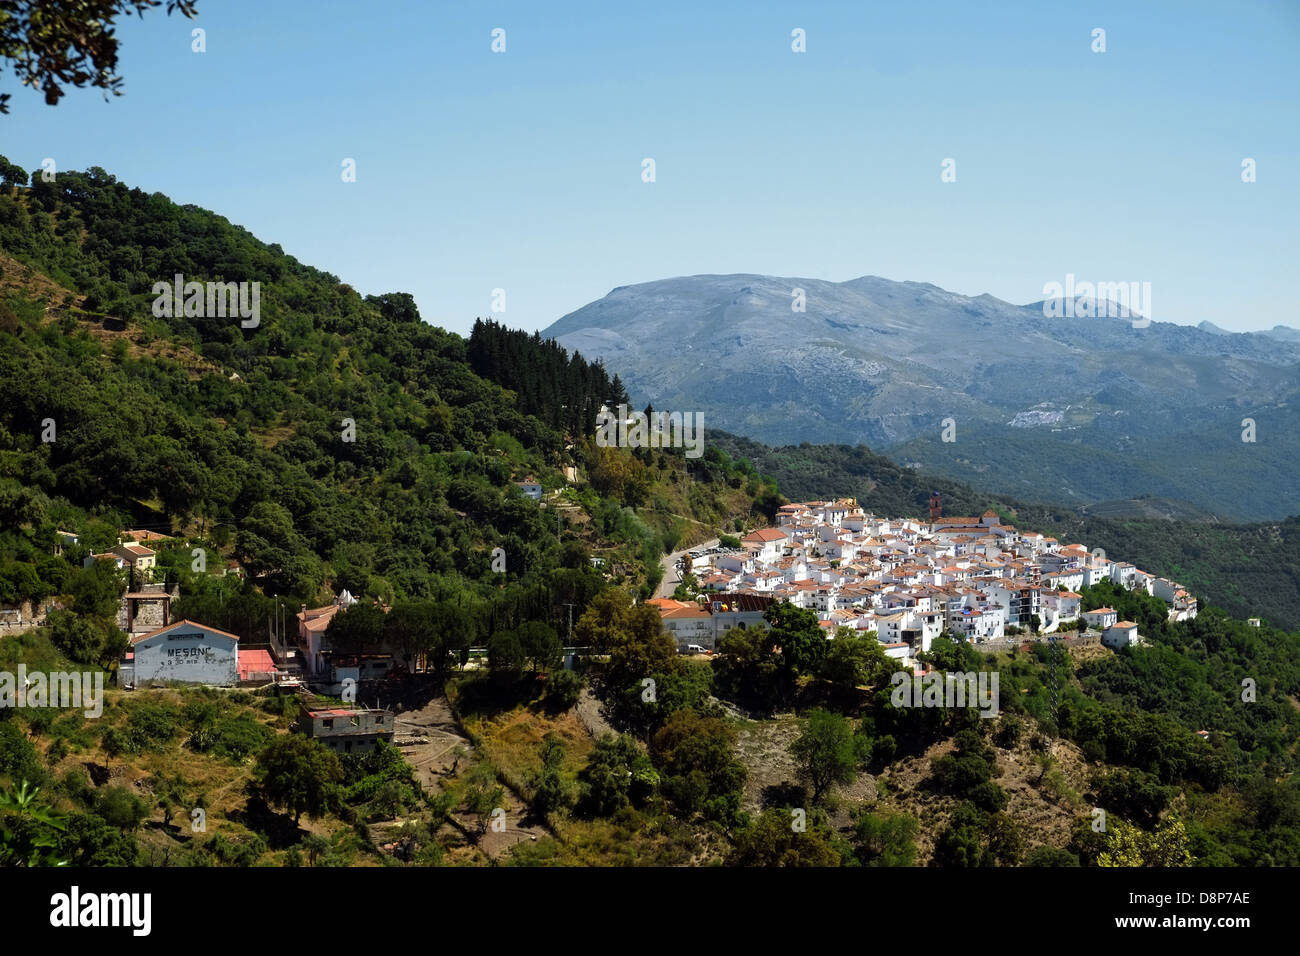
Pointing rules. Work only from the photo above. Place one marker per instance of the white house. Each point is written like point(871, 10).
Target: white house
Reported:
point(1102, 617)
point(1094, 571)
point(768, 543)
point(978, 623)
point(737, 562)
point(689, 625)
point(1071, 579)
point(1121, 634)
point(137, 556)
point(1059, 606)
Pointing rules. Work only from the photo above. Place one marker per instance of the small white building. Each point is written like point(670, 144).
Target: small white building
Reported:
point(767, 543)
point(185, 652)
point(689, 625)
point(137, 556)
point(1121, 634)
point(1101, 618)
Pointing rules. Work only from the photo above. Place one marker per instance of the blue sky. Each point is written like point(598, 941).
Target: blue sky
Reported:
point(522, 170)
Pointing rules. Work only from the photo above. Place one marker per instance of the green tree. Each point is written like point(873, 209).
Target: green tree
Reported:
point(779, 838)
point(29, 830)
point(120, 808)
point(540, 644)
point(1126, 845)
point(563, 689)
point(551, 791)
point(90, 841)
point(617, 773)
point(969, 766)
point(699, 772)
point(483, 795)
point(886, 839)
point(826, 751)
point(51, 45)
point(315, 846)
point(796, 631)
point(356, 630)
point(855, 660)
point(1135, 795)
point(97, 590)
point(632, 635)
point(505, 652)
point(962, 842)
point(1050, 856)
point(298, 775)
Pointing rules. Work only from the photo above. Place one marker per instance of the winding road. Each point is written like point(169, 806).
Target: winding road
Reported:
point(669, 563)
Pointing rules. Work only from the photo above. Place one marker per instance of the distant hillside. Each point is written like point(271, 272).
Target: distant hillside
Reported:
point(1150, 507)
point(988, 393)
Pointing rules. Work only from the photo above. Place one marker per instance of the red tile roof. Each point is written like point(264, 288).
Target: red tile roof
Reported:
point(254, 662)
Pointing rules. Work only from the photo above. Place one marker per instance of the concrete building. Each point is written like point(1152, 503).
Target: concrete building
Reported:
point(689, 625)
point(65, 539)
point(347, 731)
point(732, 610)
point(184, 652)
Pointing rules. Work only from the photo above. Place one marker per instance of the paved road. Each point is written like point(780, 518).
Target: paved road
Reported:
point(669, 564)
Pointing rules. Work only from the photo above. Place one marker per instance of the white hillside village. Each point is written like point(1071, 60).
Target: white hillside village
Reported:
point(908, 580)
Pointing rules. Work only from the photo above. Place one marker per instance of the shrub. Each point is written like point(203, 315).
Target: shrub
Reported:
point(563, 689)
point(120, 808)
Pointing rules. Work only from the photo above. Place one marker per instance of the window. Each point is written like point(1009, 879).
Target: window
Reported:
point(328, 723)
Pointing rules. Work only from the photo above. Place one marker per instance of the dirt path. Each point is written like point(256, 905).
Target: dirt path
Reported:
point(592, 717)
point(428, 738)
point(432, 743)
point(764, 749)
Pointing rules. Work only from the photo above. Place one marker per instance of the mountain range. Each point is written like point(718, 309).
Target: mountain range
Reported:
point(1068, 410)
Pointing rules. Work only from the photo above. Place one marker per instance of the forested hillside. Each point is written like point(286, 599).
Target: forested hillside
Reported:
point(339, 443)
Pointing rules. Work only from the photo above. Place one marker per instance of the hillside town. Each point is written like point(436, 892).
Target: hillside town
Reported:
point(907, 580)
